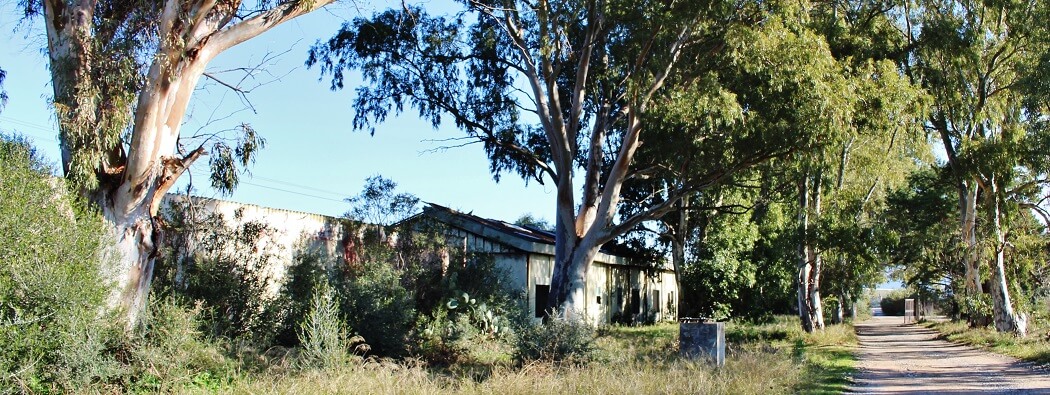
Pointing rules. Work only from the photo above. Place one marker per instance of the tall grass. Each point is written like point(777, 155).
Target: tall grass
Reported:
point(1034, 348)
point(770, 358)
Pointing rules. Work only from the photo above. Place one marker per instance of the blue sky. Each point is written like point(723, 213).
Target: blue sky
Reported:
point(312, 159)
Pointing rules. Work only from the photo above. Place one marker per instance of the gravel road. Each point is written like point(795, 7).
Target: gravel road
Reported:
point(909, 359)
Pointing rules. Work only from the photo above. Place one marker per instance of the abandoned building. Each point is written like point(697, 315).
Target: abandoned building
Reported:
point(619, 288)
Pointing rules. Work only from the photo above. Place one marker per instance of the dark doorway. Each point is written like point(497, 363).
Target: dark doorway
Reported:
point(542, 295)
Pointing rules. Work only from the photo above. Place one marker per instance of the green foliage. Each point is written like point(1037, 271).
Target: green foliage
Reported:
point(226, 264)
point(722, 269)
point(55, 333)
point(893, 304)
point(530, 221)
point(558, 340)
point(170, 353)
point(226, 162)
point(307, 275)
point(377, 307)
point(52, 329)
point(322, 333)
point(379, 206)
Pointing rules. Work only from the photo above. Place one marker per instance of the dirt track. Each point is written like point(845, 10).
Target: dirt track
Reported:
point(908, 359)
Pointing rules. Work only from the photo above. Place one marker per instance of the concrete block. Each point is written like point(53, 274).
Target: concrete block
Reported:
point(705, 340)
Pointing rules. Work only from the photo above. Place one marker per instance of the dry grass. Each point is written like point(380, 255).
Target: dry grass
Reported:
point(1035, 347)
point(775, 358)
point(746, 373)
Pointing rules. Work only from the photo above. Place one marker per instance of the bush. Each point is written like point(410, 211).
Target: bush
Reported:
point(171, 353)
point(307, 273)
point(51, 291)
point(558, 340)
point(377, 307)
point(227, 270)
point(893, 304)
point(461, 327)
point(323, 335)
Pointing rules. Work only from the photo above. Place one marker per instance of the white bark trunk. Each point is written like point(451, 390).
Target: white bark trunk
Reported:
point(1005, 317)
point(804, 267)
point(132, 270)
point(968, 229)
point(816, 305)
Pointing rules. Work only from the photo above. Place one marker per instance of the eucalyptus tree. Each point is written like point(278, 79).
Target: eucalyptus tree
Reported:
point(123, 75)
point(876, 156)
point(921, 218)
point(868, 147)
point(565, 91)
point(983, 64)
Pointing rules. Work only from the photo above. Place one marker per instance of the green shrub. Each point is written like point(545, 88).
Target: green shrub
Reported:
point(893, 304)
point(303, 278)
point(377, 307)
point(558, 340)
point(227, 270)
point(52, 331)
point(170, 352)
point(323, 336)
point(461, 328)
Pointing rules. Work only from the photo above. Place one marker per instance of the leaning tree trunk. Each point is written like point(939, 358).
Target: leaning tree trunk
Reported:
point(128, 182)
point(1005, 317)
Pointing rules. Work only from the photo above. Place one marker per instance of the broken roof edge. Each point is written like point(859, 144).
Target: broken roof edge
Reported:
point(523, 238)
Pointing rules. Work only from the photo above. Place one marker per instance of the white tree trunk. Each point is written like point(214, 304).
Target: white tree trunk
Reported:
point(816, 305)
point(968, 229)
point(1005, 317)
point(132, 268)
point(804, 266)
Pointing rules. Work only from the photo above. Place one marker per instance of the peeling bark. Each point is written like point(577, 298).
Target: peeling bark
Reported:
point(131, 185)
point(1006, 318)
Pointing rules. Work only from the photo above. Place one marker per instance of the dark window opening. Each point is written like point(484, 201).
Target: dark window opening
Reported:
point(599, 299)
point(542, 295)
point(656, 301)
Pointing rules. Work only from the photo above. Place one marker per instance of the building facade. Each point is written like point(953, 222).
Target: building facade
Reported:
point(620, 289)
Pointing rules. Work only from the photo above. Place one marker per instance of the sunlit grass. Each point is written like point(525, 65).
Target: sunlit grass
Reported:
point(772, 358)
point(1035, 347)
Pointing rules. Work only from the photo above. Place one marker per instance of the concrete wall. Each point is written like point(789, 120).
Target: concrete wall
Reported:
point(292, 231)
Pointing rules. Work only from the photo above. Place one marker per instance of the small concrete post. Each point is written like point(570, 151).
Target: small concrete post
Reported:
point(698, 339)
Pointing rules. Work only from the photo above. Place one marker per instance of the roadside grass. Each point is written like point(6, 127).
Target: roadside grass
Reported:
point(826, 358)
point(1033, 348)
point(771, 358)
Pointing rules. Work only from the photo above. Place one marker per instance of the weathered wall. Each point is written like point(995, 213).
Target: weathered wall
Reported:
point(293, 231)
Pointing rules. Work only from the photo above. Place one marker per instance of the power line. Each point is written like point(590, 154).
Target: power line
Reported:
point(281, 190)
point(30, 125)
point(273, 180)
point(340, 194)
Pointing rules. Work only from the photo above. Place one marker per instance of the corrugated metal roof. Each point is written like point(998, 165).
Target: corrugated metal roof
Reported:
point(526, 233)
